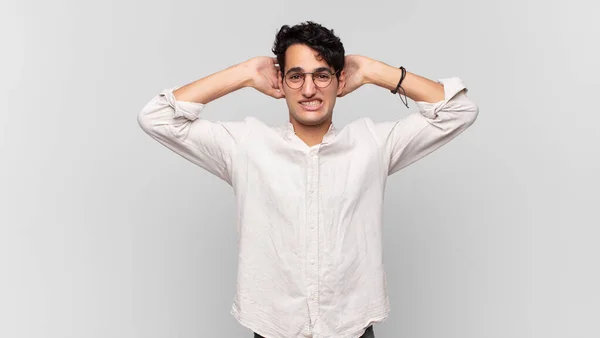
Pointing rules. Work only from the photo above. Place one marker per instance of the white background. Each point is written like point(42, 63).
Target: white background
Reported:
point(105, 233)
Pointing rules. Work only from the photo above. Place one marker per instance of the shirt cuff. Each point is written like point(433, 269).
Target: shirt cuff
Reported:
point(189, 110)
point(452, 86)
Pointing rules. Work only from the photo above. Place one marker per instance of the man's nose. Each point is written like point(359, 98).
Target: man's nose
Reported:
point(308, 89)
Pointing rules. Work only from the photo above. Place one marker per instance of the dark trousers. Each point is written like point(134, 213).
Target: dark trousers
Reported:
point(368, 333)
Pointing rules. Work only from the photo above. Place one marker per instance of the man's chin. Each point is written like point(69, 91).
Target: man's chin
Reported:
point(310, 119)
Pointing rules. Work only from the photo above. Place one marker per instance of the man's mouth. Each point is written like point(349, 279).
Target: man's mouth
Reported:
point(311, 105)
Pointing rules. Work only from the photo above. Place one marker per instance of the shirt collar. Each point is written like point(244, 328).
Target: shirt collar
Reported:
point(289, 127)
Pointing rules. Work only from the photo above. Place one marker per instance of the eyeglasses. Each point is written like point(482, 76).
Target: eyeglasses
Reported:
point(321, 78)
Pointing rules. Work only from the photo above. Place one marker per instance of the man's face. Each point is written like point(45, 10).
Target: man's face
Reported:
point(303, 59)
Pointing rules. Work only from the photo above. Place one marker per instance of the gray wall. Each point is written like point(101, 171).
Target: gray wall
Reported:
point(105, 233)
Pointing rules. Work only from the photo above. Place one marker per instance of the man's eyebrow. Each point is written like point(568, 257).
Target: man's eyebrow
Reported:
point(302, 69)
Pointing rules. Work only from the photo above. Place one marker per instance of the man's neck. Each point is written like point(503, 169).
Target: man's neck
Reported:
point(311, 135)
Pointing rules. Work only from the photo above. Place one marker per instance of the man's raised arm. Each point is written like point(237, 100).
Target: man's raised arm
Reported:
point(173, 117)
point(445, 111)
point(259, 73)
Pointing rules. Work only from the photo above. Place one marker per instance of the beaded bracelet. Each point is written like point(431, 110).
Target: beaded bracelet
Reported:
point(398, 87)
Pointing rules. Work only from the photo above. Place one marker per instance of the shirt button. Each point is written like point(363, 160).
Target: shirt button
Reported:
point(312, 262)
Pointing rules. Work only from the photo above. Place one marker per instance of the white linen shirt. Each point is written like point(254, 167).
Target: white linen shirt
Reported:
point(309, 219)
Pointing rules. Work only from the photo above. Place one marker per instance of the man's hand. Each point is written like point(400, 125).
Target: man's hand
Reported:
point(264, 72)
point(355, 69)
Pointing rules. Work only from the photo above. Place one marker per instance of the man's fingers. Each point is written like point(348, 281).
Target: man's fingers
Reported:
point(275, 93)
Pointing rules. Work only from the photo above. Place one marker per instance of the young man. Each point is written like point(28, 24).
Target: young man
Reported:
point(309, 195)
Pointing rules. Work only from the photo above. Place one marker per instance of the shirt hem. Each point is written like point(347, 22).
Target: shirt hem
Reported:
point(255, 329)
point(375, 317)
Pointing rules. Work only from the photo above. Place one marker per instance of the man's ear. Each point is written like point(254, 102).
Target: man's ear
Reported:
point(341, 82)
point(280, 81)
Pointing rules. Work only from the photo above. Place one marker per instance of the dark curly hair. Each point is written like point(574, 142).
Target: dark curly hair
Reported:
point(315, 36)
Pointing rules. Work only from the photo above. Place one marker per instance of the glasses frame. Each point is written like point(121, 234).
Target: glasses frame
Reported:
point(311, 75)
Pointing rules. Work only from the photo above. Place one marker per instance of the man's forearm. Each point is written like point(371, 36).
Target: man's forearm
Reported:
point(417, 88)
point(215, 85)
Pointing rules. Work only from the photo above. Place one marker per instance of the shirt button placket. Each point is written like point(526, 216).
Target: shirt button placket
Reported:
point(312, 254)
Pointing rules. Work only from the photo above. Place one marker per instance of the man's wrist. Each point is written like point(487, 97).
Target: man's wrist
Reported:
point(381, 74)
point(368, 71)
point(245, 73)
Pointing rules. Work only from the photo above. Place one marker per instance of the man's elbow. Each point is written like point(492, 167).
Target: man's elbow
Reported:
point(144, 122)
point(147, 123)
point(471, 113)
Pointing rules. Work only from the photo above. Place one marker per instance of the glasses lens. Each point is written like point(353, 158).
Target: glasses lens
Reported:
point(322, 79)
point(294, 79)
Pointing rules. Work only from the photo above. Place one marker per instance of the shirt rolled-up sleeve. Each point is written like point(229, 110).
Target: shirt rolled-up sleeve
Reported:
point(178, 125)
point(411, 138)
